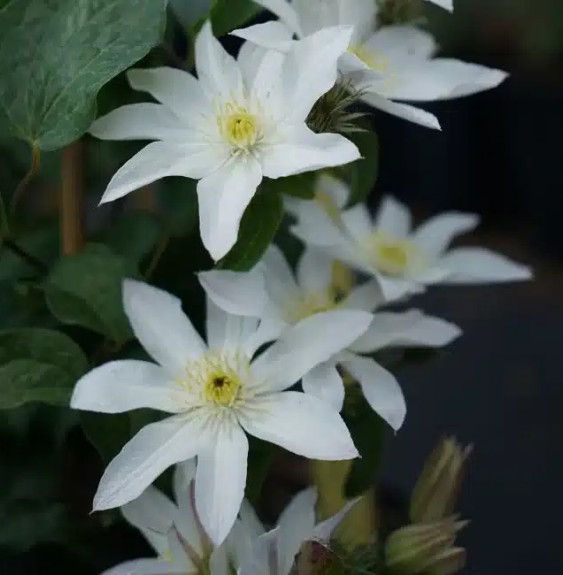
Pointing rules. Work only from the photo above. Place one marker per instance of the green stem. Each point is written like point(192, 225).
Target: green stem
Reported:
point(25, 256)
point(158, 253)
point(33, 169)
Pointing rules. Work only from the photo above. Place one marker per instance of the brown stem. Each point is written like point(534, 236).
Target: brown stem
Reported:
point(70, 201)
point(33, 169)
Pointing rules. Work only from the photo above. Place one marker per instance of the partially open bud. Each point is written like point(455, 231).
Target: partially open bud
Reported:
point(425, 548)
point(437, 489)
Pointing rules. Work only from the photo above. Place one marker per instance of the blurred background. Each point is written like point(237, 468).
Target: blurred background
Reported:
point(500, 386)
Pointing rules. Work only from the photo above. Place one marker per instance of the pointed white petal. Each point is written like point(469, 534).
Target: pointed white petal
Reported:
point(404, 111)
point(223, 197)
point(367, 297)
point(179, 91)
point(236, 293)
point(270, 35)
point(380, 388)
point(125, 385)
point(436, 234)
point(295, 526)
point(153, 514)
point(358, 222)
point(393, 218)
point(160, 160)
point(301, 150)
point(443, 79)
point(144, 567)
point(217, 70)
point(161, 326)
point(299, 423)
point(278, 277)
point(250, 522)
point(284, 11)
point(259, 560)
point(314, 271)
point(139, 122)
point(446, 4)
point(325, 382)
point(397, 289)
point(155, 448)
point(310, 69)
point(226, 331)
point(482, 266)
point(305, 345)
point(337, 190)
point(324, 530)
point(407, 329)
point(402, 47)
point(221, 479)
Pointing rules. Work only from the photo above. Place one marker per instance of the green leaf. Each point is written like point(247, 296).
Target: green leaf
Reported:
point(363, 174)
point(134, 235)
point(55, 55)
point(177, 199)
point(299, 186)
point(38, 365)
point(367, 430)
point(259, 224)
point(260, 456)
point(226, 15)
point(85, 289)
point(107, 433)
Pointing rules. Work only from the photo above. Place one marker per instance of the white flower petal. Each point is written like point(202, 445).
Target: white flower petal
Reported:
point(324, 530)
point(250, 522)
point(404, 111)
point(325, 382)
point(436, 234)
point(179, 91)
point(314, 271)
point(305, 345)
point(145, 567)
point(310, 69)
point(125, 385)
point(299, 423)
point(380, 388)
point(367, 297)
point(284, 11)
point(139, 122)
point(336, 189)
point(236, 293)
point(407, 329)
point(358, 222)
point(397, 289)
point(155, 448)
point(269, 35)
point(219, 562)
point(223, 197)
point(295, 526)
point(446, 4)
point(401, 47)
point(301, 150)
point(161, 326)
point(153, 514)
point(162, 159)
point(259, 560)
point(221, 479)
point(217, 70)
point(443, 79)
point(393, 218)
point(226, 331)
point(482, 266)
point(280, 283)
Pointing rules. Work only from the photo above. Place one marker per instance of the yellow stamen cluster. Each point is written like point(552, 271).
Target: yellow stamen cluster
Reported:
point(392, 256)
point(238, 126)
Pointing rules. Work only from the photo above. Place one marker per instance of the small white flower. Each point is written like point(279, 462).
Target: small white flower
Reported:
point(216, 393)
point(292, 300)
point(175, 532)
point(274, 552)
point(238, 122)
point(384, 64)
point(400, 258)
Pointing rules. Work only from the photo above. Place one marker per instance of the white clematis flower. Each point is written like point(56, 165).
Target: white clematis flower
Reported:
point(238, 122)
point(387, 247)
point(217, 392)
point(176, 534)
point(384, 64)
point(274, 552)
point(291, 300)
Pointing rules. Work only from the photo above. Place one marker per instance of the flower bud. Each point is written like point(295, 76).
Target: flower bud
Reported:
point(425, 548)
point(437, 489)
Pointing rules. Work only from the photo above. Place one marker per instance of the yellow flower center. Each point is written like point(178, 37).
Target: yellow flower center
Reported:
point(370, 58)
point(238, 126)
point(218, 377)
point(392, 256)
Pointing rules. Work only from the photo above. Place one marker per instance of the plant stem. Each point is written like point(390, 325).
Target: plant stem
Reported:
point(33, 169)
point(27, 257)
point(70, 201)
